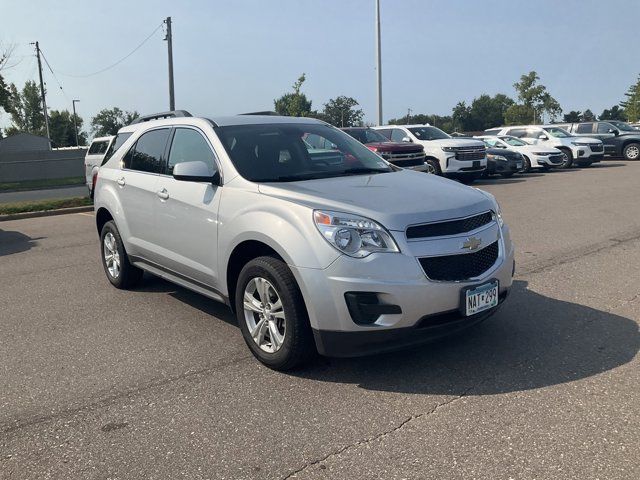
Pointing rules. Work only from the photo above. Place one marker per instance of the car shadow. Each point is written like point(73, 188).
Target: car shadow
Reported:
point(608, 164)
point(16, 242)
point(152, 283)
point(534, 341)
point(494, 180)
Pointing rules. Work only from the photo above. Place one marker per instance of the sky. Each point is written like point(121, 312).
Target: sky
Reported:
point(238, 56)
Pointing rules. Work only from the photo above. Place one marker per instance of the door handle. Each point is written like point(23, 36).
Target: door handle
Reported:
point(163, 194)
point(120, 181)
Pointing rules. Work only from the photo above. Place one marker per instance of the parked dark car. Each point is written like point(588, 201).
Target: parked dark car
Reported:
point(401, 154)
point(619, 138)
point(503, 162)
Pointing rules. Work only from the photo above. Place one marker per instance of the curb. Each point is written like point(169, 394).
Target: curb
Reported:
point(45, 213)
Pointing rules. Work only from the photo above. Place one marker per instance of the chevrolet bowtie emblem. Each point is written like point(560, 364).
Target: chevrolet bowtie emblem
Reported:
point(471, 243)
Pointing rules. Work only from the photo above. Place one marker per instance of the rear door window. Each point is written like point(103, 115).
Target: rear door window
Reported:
point(115, 145)
point(147, 155)
point(585, 128)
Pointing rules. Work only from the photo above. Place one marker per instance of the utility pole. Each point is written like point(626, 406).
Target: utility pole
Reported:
point(75, 123)
point(44, 101)
point(169, 39)
point(379, 62)
point(408, 115)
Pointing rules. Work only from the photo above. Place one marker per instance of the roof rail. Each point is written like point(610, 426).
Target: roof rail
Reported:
point(158, 116)
point(266, 112)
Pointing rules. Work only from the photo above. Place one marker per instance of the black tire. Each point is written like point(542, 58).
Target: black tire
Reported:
point(469, 178)
point(568, 158)
point(128, 275)
point(526, 167)
point(298, 345)
point(435, 165)
point(545, 168)
point(631, 151)
point(507, 174)
point(585, 163)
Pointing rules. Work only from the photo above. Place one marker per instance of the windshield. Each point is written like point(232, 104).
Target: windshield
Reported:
point(293, 152)
point(623, 126)
point(428, 133)
point(367, 135)
point(557, 132)
point(513, 141)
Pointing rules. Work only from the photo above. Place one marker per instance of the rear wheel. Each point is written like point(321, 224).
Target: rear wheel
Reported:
point(631, 151)
point(120, 272)
point(433, 166)
point(527, 165)
point(272, 314)
point(568, 158)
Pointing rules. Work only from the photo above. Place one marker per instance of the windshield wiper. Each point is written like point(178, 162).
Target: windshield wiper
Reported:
point(362, 170)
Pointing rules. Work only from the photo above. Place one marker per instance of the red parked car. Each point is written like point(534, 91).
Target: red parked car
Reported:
point(403, 155)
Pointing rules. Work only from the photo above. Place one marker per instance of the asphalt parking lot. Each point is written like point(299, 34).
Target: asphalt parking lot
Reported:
point(158, 383)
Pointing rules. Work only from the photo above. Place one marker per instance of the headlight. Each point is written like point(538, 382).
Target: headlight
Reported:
point(449, 149)
point(497, 158)
point(353, 235)
point(542, 154)
point(582, 144)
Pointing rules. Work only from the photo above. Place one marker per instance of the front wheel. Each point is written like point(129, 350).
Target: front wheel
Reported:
point(567, 161)
point(527, 165)
point(631, 151)
point(433, 166)
point(272, 314)
point(507, 174)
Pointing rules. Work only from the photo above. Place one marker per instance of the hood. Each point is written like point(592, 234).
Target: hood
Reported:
point(453, 142)
point(538, 148)
point(395, 200)
point(395, 147)
point(585, 139)
point(505, 152)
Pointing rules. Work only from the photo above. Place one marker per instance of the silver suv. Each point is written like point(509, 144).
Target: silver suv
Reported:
point(341, 254)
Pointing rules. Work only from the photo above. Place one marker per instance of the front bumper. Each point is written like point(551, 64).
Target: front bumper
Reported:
point(429, 328)
point(585, 154)
point(455, 166)
point(397, 279)
point(500, 166)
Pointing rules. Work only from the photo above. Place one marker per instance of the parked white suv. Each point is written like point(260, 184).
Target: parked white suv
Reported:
point(343, 257)
point(581, 150)
point(464, 159)
point(535, 156)
point(93, 159)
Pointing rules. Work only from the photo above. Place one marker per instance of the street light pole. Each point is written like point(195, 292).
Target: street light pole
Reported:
point(379, 62)
point(75, 123)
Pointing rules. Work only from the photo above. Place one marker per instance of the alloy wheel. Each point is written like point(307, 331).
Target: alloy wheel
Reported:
point(111, 255)
point(264, 314)
point(633, 152)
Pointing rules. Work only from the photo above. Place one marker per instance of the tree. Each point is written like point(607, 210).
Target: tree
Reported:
point(614, 113)
point(62, 129)
point(518, 114)
point(573, 116)
point(461, 116)
point(487, 112)
point(5, 54)
point(632, 104)
point(536, 98)
point(109, 121)
point(588, 116)
point(341, 112)
point(25, 108)
point(294, 104)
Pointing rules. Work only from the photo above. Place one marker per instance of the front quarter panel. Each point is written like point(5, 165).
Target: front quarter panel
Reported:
point(286, 227)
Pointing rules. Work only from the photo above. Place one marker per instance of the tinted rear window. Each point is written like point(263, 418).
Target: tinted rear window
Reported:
point(148, 152)
point(98, 148)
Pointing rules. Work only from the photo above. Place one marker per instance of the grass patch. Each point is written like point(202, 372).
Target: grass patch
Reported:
point(43, 205)
point(49, 182)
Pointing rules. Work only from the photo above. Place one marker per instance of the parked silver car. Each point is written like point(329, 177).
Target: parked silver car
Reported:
point(342, 256)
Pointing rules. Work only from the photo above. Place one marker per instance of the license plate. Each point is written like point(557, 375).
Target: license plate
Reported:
point(480, 298)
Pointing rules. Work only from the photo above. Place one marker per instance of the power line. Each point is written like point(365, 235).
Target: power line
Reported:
point(116, 63)
point(54, 75)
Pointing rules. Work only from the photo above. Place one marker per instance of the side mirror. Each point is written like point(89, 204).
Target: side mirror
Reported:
point(616, 132)
point(543, 137)
point(406, 139)
point(195, 172)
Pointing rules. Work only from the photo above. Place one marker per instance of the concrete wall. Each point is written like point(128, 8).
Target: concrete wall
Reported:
point(39, 165)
